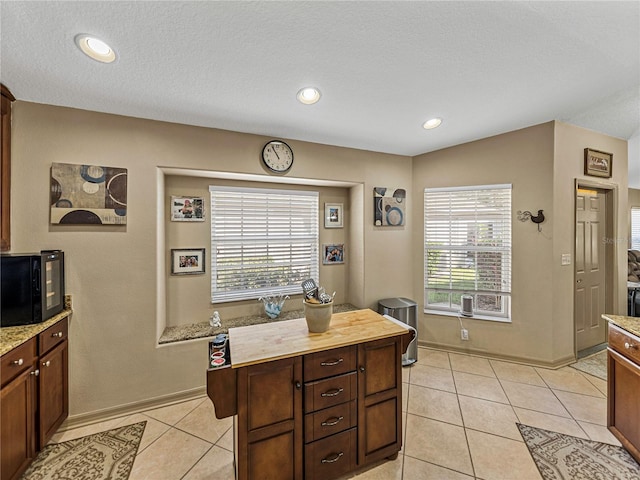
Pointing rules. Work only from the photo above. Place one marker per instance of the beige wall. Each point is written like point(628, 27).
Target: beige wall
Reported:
point(542, 163)
point(523, 158)
point(111, 271)
point(189, 296)
point(570, 142)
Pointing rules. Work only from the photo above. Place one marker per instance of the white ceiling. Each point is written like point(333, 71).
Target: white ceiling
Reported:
point(383, 67)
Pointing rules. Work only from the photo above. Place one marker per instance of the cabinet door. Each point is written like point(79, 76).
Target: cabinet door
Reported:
point(624, 401)
point(17, 417)
point(270, 420)
point(53, 401)
point(379, 399)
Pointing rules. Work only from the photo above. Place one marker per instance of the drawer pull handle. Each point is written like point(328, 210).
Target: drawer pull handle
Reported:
point(333, 422)
point(332, 393)
point(629, 345)
point(18, 362)
point(47, 363)
point(58, 335)
point(332, 364)
point(336, 457)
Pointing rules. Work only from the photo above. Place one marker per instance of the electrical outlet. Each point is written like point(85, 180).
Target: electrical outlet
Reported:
point(464, 334)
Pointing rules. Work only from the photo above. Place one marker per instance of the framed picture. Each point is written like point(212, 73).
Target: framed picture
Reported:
point(333, 215)
point(187, 261)
point(187, 209)
point(332, 253)
point(88, 195)
point(389, 205)
point(597, 163)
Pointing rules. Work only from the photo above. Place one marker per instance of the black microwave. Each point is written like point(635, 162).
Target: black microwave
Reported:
point(32, 287)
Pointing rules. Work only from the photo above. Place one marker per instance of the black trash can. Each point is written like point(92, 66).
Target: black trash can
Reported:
point(406, 311)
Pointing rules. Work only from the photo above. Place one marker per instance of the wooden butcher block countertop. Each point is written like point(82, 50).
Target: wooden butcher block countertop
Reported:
point(272, 341)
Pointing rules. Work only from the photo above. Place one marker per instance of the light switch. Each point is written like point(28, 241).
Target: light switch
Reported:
point(566, 259)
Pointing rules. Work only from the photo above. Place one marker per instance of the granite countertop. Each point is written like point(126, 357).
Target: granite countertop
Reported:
point(630, 324)
point(11, 337)
point(203, 329)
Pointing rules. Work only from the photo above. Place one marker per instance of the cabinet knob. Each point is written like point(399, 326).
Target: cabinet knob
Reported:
point(629, 345)
point(298, 385)
point(36, 372)
point(18, 362)
point(362, 368)
point(58, 335)
point(47, 363)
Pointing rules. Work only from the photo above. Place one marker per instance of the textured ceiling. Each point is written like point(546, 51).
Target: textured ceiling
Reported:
point(383, 67)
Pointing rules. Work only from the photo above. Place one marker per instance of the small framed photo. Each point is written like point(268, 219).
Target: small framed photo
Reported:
point(187, 261)
point(333, 215)
point(332, 253)
point(187, 209)
point(597, 163)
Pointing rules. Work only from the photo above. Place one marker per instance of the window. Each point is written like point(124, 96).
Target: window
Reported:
point(467, 248)
point(635, 228)
point(262, 242)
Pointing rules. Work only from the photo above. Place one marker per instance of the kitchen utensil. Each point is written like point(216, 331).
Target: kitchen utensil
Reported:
point(310, 288)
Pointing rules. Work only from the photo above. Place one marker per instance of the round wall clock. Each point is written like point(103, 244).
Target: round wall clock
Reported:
point(277, 156)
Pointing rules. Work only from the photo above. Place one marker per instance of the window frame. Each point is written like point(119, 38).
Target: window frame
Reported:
point(454, 253)
point(634, 230)
point(303, 236)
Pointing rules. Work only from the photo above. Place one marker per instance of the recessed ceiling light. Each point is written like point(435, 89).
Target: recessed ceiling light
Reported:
point(308, 95)
point(95, 48)
point(433, 123)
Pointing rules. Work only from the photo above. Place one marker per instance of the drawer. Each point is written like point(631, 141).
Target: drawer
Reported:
point(331, 457)
point(18, 360)
point(329, 392)
point(624, 343)
point(53, 335)
point(329, 421)
point(329, 363)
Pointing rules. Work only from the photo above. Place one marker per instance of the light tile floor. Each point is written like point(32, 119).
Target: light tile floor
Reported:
point(459, 414)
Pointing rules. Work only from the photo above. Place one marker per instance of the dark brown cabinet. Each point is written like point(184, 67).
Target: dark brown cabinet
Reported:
point(18, 410)
point(5, 170)
point(34, 397)
point(623, 385)
point(270, 420)
point(379, 400)
point(317, 416)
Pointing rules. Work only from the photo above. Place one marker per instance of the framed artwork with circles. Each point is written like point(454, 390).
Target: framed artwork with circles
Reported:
point(88, 195)
point(389, 206)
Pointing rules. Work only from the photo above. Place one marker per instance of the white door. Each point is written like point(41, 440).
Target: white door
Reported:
point(590, 267)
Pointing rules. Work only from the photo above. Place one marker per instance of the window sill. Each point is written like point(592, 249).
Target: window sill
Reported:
point(202, 330)
point(474, 317)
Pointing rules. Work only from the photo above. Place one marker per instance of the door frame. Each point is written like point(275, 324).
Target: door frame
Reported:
point(612, 283)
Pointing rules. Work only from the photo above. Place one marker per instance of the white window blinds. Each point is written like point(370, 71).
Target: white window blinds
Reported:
point(635, 228)
point(467, 250)
point(263, 241)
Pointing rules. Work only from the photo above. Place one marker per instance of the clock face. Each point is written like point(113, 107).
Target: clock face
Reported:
point(277, 156)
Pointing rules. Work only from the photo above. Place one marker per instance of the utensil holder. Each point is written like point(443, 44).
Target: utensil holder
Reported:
point(318, 316)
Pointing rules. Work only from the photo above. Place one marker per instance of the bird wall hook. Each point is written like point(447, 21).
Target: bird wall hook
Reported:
point(526, 215)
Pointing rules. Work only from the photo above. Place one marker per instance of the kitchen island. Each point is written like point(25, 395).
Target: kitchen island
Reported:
point(623, 381)
point(313, 405)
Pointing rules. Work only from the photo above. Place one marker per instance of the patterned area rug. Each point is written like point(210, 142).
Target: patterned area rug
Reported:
point(101, 456)
point(595, 365)
point(563, 457)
